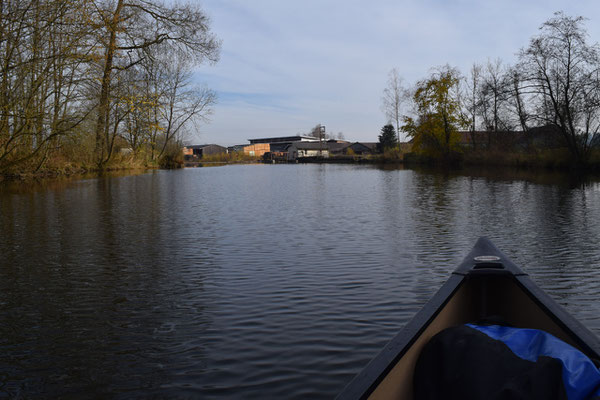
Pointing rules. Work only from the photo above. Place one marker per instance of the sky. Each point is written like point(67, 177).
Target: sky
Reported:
point(288, 65)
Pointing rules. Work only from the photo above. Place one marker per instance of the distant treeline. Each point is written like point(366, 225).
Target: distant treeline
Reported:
point(87, 81)
point(553, 90)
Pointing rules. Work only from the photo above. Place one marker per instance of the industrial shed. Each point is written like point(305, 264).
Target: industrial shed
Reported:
point(362, 148)
point(199, 151)
point(306, 149)
point(257, 150)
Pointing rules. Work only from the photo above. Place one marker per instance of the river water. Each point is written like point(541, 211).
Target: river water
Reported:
point(259, 281)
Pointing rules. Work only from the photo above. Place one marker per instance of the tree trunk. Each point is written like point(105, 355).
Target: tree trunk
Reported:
point(103, 105)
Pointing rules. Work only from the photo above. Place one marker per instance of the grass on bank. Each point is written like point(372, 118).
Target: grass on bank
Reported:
point(75, 156)
point(391, 155)
point(551, 159)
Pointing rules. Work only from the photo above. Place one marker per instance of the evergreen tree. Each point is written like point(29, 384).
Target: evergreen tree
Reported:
point(387, 139)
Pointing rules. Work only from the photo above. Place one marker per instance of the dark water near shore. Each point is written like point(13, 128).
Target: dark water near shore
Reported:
point(259, 281)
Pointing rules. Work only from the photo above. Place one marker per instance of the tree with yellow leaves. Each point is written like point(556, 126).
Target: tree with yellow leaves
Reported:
point(435, 128)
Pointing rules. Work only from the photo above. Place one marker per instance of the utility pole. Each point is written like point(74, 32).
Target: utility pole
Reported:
point(321, 137)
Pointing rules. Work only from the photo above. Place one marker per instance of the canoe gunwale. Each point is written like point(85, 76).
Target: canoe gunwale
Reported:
point(584, 338)
point(370, 377)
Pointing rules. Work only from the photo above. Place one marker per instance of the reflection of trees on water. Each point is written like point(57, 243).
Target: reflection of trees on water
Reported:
point(566, 260)
point(567, 226)
point(392, 211)
point(550, 229)
point(98, 286)
point(434, 203)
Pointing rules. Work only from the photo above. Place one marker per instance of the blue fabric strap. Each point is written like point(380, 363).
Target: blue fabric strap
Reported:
point(581, 378)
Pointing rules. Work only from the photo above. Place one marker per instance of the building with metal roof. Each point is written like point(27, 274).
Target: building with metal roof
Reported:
point(284, 139)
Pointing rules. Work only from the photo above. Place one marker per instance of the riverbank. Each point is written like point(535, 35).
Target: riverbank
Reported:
point(550, 159)
point(67, 162)
point(75, 171)
point(44, 178)
point(547, 160)
point(200, 164)
point(553, 159)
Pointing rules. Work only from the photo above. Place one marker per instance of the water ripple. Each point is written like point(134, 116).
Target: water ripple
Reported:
point(258, 281)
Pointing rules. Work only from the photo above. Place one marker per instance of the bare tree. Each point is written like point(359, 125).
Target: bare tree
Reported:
point(183, 103)
point(158, 100)
point(517, 92)
point(394, 97)
point(471, 99)
point(131, 30)
point(137, 103)
point(564, 76)
point(70, 68)
point(493, 96)
point(43, 46)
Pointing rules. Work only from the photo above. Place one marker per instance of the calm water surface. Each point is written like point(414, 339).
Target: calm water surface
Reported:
point(259, 281)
